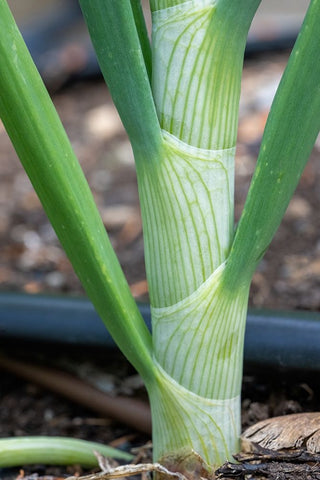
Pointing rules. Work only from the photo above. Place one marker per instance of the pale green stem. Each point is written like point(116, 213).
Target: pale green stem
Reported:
point(185, 422)
point(187, 191)
point(197, 68)
point(199, 340)
point(198, 350)
point(198, 327)
point(187, 208)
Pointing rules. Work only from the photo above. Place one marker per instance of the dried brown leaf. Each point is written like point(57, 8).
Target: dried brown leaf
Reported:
point(294, 431)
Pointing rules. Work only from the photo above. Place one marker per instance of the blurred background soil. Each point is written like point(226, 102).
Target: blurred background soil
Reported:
point(32, 261)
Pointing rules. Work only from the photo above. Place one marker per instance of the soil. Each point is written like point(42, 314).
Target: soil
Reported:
point(32, 261)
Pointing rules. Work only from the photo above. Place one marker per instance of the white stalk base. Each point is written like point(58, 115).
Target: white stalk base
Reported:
point(183, 421)
point(199, 340)
point(198, 347)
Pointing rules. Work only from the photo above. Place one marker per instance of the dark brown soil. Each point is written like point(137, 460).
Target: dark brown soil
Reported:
point(27, 409)
point(31, 259)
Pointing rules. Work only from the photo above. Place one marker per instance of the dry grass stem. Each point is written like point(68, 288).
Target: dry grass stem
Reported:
point(108, 472)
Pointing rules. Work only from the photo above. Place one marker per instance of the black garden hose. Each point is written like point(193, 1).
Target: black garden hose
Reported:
point(273, 338)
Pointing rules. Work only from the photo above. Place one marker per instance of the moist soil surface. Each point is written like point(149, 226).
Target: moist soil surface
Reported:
point(31, 261)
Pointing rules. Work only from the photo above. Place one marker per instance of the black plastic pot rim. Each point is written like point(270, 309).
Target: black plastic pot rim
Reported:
point(273, 338)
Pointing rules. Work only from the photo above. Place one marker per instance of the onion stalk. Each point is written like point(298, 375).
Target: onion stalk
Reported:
point(178, 99)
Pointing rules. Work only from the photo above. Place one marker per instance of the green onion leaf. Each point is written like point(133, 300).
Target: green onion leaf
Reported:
point(15, 452)
point(292, 128)
point(47, 156)
point(113, 29)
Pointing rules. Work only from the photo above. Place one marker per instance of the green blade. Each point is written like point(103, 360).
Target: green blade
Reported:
point(116, 41)
point(47, 156)
point(15, 452)
point(290, 133)
point(143, 34)
point(239, 17)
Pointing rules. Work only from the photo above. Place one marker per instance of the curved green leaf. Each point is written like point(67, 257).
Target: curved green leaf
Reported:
point(142, 34)
point(47, 156)
point(290, 133)
point(114, 35)
point(15, 452)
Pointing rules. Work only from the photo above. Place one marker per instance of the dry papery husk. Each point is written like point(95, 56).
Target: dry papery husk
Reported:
point(289, 432)
point(280, 448)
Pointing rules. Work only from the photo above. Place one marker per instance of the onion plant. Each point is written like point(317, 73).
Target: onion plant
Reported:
point(178, 98)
